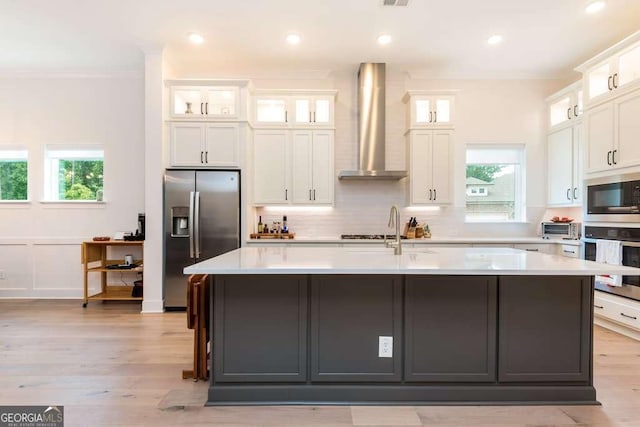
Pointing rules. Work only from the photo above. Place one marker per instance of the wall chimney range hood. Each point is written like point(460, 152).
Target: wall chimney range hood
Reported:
point(371, 127)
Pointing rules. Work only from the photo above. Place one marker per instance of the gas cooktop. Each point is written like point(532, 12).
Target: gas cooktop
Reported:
point(368, 236)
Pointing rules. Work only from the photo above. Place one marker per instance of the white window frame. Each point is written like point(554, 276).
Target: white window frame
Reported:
point(17, 152)
point(53, 153)
point(516, 156)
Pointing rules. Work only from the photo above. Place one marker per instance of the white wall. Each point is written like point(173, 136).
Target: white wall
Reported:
point(504, 111)
point(40, 243)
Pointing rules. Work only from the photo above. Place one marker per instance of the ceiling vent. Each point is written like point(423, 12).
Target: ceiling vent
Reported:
point(395, 2)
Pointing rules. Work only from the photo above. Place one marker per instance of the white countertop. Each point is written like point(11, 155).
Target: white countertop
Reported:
point(431, 240)
point(441, 261)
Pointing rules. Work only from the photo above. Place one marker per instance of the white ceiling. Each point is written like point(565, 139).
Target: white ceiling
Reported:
point(437, 38)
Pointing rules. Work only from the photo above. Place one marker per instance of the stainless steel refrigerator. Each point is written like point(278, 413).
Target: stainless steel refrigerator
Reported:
point(201, 220)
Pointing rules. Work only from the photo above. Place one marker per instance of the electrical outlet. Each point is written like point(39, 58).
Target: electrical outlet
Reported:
point(385, 346)
point(2, 275)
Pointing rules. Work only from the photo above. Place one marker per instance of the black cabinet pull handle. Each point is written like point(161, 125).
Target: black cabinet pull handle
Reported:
point(615, 81)
point(286, 117)
point(627, 316)
point(201, 108)
point(314, 117)
point(609, 158)
point(435, 194)
point(286, 194)
point(598, 306)
point(435, 117)
point(568, 192)
point(569, 113)
point(575, 110)
point(531, 250)
point(206, 157)
point(609, 84)
point(613, 157)
point(201, 153)
point(575, 193)
point(314, 194)
point(309, 194)
point(206, 108)
point(430, 116)
point(430, 194)
point(310, 120)
point(570, 252)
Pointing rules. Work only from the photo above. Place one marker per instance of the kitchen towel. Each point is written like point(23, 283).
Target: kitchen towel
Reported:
point(609, 252)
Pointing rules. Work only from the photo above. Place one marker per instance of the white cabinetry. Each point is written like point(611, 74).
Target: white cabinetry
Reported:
point(295, 109)
point(430, 109)
point(612, 72)
point(312, 166)
point(293, 166)
point(204, 144)
point(204, 102)
point(545, 248)
point(611, 133)
point(430, 161)
point(565, 105)
point(618, 313)
point(564, 166)
point(271, 174)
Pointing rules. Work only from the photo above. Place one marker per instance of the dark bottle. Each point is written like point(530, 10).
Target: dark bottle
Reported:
point(285, 229)
point(260, 225)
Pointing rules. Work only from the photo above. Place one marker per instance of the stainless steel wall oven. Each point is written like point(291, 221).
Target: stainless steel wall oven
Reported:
point(630, 238)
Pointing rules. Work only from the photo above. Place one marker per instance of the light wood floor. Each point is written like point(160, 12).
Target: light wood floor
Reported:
point(110, 365)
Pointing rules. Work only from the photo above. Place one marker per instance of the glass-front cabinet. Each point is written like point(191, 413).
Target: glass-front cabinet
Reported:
point(296, 109)
point(430, 109)
point(612, 72)
point(566, 105)
point(204, 102)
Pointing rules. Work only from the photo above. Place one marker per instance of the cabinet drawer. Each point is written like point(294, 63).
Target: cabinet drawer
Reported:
point(533, 247)
point(617, 312)
point(570, 251)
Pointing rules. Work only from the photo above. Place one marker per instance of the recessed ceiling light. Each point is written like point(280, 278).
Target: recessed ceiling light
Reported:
point(595, 6)
point(196, 38)
point(494, 39)
point(293, 39)
point(384, 39)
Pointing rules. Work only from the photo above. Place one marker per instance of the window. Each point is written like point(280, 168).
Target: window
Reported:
point(73, 172)
point(495, 183)
point(13, 173)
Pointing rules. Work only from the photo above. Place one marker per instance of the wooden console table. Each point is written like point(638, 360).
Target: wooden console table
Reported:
point(94, 260)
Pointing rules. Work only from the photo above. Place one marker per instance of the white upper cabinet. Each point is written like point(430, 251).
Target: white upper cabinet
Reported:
point(204, 144)
point(612, 72)
point(430, 109)
point(293, 109)
point(271, 170)
point(611, 133)
point(312, 166)
point(566, 105)
point(430, 164)
point(204, 102)
point(564, 167)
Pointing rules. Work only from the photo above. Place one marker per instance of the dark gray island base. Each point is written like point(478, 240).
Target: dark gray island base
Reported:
point(314, 339)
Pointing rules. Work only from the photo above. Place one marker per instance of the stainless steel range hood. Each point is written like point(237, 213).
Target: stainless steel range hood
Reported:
point(371, 126)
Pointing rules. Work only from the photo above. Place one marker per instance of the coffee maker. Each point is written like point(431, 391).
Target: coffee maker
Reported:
point(140, 230)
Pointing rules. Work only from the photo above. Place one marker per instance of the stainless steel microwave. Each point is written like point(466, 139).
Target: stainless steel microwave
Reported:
point(613, 199)
point(561, 230)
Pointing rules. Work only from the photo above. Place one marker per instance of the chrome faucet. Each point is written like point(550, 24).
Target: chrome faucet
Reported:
point(394, 218)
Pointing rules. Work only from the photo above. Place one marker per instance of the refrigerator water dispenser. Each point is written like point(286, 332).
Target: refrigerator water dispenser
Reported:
point(179, 221)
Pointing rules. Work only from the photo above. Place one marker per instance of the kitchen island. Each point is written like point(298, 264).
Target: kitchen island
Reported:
point(297, 325)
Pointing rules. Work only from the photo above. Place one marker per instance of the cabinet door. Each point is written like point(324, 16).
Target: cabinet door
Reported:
point(450, 329)
point(629, 66)
point(323, 172)
point(301, 167)
point(302, 110)
point(222, 145)
point(187, 102)
point(576, 192)
point(544, 328)
point(346, 349)
point(323, 110)
point(627, 110)
point(422, 111)
point(560, 164)
point(221, 102)
point(443, 110)
point(312, 111)
point(599, 81)
point(186, 147)
point(560, 111)
point(271, 111)
point(598, 124)
point(420, 163)
point(441, 159)
point(270, 163)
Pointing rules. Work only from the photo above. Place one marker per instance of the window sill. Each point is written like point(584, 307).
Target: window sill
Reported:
point(15, 204)
point(73, 204)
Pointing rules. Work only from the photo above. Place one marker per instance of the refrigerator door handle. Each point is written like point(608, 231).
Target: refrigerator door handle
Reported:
point(191, 222)
point(197, 223)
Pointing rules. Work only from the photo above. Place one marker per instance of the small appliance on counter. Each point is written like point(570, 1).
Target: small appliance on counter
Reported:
point(561, 230)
